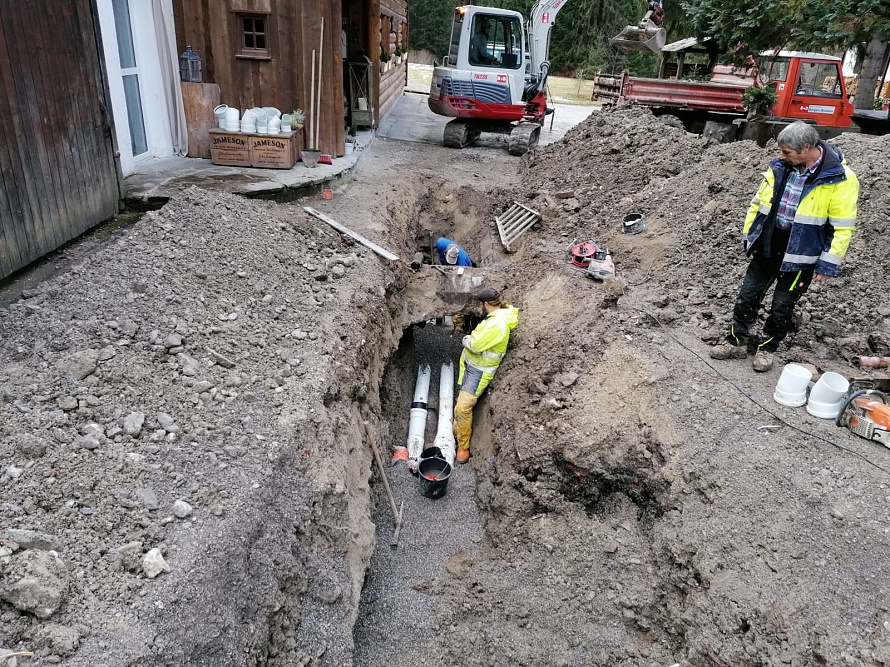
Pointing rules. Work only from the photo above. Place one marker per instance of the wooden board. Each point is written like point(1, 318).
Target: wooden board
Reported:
point(229, 148)
point(199, 100)
point(386, 254)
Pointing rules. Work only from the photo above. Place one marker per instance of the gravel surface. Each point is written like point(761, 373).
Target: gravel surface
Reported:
point(194, 388)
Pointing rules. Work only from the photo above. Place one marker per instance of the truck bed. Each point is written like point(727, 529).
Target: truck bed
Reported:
point(697, 95)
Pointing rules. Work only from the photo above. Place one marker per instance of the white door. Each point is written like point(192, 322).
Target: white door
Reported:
point(126, 49)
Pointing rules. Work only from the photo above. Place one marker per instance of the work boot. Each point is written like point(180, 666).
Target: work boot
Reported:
point(727, 350)
point(463, 455)
point(763, 361)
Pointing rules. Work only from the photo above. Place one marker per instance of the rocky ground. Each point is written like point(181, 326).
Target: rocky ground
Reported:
point(187, 403)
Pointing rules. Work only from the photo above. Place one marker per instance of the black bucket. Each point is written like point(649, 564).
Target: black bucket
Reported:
point(433, 474)
point(633, 223)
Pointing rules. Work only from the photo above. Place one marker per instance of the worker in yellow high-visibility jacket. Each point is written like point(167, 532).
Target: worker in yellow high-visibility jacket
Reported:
point(482, 354)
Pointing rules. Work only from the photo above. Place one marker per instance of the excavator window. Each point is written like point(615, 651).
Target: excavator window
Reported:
point(496, 42)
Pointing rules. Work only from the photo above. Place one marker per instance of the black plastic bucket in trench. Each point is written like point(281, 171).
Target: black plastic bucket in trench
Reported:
point(433, 474)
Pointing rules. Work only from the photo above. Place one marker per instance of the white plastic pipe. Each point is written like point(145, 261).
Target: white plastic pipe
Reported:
point(444, 433)
point(417, 418)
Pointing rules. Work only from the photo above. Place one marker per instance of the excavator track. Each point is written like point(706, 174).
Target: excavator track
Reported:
point(459, 134)
point(523, 138)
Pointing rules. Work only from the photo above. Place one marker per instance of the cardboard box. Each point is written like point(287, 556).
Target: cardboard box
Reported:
point(273, 151)
point(229, 148)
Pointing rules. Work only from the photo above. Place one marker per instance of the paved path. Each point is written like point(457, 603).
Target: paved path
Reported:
point(412, 120)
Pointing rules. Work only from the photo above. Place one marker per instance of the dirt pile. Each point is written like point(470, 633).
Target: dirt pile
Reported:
point(694, 195)
point(645, 508)
point(164, 416)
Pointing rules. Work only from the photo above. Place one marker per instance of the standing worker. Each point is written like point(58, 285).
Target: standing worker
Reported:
point(482, 354)
point(797, 231)
point(449, 252)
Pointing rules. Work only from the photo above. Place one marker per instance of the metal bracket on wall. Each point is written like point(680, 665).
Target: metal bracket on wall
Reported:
point(514, 222)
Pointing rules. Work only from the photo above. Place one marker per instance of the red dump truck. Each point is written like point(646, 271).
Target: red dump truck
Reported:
point(810, 87)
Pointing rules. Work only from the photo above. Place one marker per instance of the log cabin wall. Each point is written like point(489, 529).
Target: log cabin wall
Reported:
point(392, 31)
point(59, 175)
point(259, 52)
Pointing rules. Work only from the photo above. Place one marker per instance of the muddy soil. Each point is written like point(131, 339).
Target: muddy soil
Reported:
point(186, 405)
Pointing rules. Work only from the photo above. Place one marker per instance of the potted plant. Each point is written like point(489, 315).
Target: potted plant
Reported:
point(759, 102)
point(384, 59)
point(398, 55)
point(297, 117)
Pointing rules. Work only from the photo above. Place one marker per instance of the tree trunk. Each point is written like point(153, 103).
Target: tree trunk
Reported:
point(869, 74)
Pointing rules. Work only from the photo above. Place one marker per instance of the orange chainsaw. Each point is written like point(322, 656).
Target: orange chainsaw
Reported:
point(867, 414)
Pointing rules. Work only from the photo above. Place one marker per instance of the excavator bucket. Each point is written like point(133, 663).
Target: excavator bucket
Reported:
point(643, 37)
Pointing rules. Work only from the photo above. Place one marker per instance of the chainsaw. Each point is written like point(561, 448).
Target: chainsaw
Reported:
point(867, 414)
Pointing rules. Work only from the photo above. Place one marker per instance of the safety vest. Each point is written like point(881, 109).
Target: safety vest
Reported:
point(825, 218)
point(485, 347)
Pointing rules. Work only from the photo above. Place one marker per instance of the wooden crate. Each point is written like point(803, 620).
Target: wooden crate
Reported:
point(273, 151)
point(229, 148)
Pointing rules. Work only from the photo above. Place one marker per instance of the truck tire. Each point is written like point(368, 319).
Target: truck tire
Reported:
point(672, 120)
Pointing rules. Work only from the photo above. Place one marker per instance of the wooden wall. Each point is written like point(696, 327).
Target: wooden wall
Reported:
point(392, 17)
point(58, 172)
point(283, 80)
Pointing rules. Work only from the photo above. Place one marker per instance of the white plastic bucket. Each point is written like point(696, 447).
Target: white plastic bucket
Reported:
point(791, 389)
point(829, 389)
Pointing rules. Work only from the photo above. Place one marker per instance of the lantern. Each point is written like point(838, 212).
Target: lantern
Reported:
point(190, 66)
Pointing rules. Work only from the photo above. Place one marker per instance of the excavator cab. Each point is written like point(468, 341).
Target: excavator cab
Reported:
point(647, 35)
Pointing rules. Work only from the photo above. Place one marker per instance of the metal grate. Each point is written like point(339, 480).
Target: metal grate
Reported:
point(514, 222)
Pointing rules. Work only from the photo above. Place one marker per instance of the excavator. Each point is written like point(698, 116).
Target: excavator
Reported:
point(494, 77)
point(647, 35)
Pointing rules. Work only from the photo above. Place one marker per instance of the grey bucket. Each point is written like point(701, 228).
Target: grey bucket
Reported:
point(433, 474)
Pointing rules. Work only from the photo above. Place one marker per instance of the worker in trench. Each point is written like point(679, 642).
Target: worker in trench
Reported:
point(797, 231)
point(450, 253)
point(483, 351)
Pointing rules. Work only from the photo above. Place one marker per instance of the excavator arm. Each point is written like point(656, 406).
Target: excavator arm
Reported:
point(540, 23)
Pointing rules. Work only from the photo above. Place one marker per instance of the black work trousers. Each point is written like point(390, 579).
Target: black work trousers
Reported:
point(790, 286)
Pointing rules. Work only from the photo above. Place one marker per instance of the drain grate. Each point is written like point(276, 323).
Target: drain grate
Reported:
point(514, 222)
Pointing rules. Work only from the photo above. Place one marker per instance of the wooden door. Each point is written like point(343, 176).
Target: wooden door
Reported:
point(58, 170)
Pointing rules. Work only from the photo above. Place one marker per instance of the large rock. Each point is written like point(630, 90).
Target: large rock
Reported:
point(31, 539)
point(79, 365)
point(35, 582)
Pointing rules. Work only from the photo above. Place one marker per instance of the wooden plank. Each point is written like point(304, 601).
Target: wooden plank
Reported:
point(199, 100)
point(10, 168)
point(345, 230)
point(82, 153)
point(47, 100)
point(24, 228)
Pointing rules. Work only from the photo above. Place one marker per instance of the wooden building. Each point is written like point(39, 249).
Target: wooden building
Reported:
point(260, 53)
point(59, 174)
